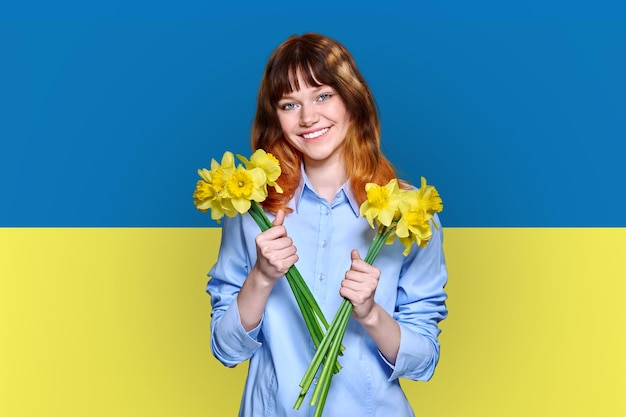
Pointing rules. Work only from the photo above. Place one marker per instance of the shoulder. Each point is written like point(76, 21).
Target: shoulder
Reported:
point(239, 226)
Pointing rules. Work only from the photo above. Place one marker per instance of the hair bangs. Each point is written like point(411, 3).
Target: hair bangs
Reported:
point(302, 62)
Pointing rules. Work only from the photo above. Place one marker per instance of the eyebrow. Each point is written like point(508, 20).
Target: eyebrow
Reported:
point(315, 91)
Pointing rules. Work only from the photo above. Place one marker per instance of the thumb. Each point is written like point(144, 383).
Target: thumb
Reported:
point(280, 217)
point(354, 255)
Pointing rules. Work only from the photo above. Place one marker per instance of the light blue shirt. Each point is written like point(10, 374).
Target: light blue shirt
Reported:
point(411, 289)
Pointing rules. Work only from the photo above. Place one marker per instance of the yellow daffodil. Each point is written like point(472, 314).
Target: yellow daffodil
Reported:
point(243, 186)
point(414, 222)
point(209, 190)
point(204, 195)
point(429, 196)
point(268, 163)
point(220, 171)
point(382, 203)
point(207, 198)
point(228, 190)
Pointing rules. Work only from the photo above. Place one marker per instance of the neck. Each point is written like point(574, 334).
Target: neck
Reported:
point(325, 179)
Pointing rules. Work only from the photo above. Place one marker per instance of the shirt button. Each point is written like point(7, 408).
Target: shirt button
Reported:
point(321, 277)
point(323, 243)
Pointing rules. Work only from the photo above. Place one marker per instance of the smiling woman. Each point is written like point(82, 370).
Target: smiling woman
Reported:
point(315, 122)
point(316, 114)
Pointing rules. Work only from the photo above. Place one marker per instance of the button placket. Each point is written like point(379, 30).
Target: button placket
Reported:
point(321, 257)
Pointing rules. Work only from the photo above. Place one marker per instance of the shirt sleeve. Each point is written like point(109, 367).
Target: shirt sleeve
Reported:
point(230, 343)
point(421, 305)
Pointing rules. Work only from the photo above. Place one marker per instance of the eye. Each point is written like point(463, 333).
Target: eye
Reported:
point(324, 97)
point(287, 106)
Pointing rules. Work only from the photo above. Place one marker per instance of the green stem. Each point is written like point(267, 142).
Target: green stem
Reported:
point(319, 356)
point(307, 314)
point(323, 382)
point(309, 308)
point(294, 275)
point(325, 387)
point(329, 348)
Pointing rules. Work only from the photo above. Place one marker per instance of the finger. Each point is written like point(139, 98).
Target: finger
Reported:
point(283, 265)
point(355, 260)
point(355, 297)
point(280, 217)
point(353, 285)
point(358, 264)
point(348, 293)
point(277, 230)
point(283, 253)
point(275, 246)
point(361, 283)
point(283, 249)
point(269, 236)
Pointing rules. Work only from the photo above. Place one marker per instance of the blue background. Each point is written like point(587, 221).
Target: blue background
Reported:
point(515, 112)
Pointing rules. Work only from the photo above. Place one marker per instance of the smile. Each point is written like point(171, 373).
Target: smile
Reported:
point(315, 134)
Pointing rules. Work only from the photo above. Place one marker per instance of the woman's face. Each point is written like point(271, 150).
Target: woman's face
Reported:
point(315, 121)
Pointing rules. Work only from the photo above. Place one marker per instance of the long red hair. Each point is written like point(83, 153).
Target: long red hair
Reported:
point(320, 60)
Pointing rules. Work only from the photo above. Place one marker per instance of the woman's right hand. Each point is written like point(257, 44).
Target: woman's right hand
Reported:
point(275, 254)
point(275, 251)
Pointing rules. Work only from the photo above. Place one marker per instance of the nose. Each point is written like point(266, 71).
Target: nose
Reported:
point(308, 115)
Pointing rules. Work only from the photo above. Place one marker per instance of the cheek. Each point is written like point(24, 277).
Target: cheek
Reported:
point(342, 113)
point(345, 118)
point(285, 123)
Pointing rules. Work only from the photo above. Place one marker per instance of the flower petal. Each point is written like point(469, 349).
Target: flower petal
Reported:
point(242, 205)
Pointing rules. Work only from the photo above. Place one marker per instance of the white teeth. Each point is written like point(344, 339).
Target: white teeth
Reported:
point(315, 134)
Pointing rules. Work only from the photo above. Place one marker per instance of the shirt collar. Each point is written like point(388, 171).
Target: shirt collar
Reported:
point(345, 189)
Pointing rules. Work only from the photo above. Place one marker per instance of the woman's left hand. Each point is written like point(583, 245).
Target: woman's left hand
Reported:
point(359, 286)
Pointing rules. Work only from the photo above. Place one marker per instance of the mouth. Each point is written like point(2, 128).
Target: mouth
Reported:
point(316, 134)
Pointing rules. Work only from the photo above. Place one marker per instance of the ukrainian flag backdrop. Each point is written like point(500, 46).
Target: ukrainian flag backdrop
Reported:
point(517, 113)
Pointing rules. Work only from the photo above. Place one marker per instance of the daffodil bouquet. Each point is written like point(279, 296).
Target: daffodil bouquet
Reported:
point(229, 190)
point(395, 212)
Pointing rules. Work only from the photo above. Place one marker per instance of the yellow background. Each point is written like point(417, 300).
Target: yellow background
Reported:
point(115, 322)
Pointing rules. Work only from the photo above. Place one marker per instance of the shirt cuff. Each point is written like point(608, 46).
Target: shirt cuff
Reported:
point(232, 340)
point(416, 357)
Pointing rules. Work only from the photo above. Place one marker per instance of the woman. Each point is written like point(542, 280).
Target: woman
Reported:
point(316, 114)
